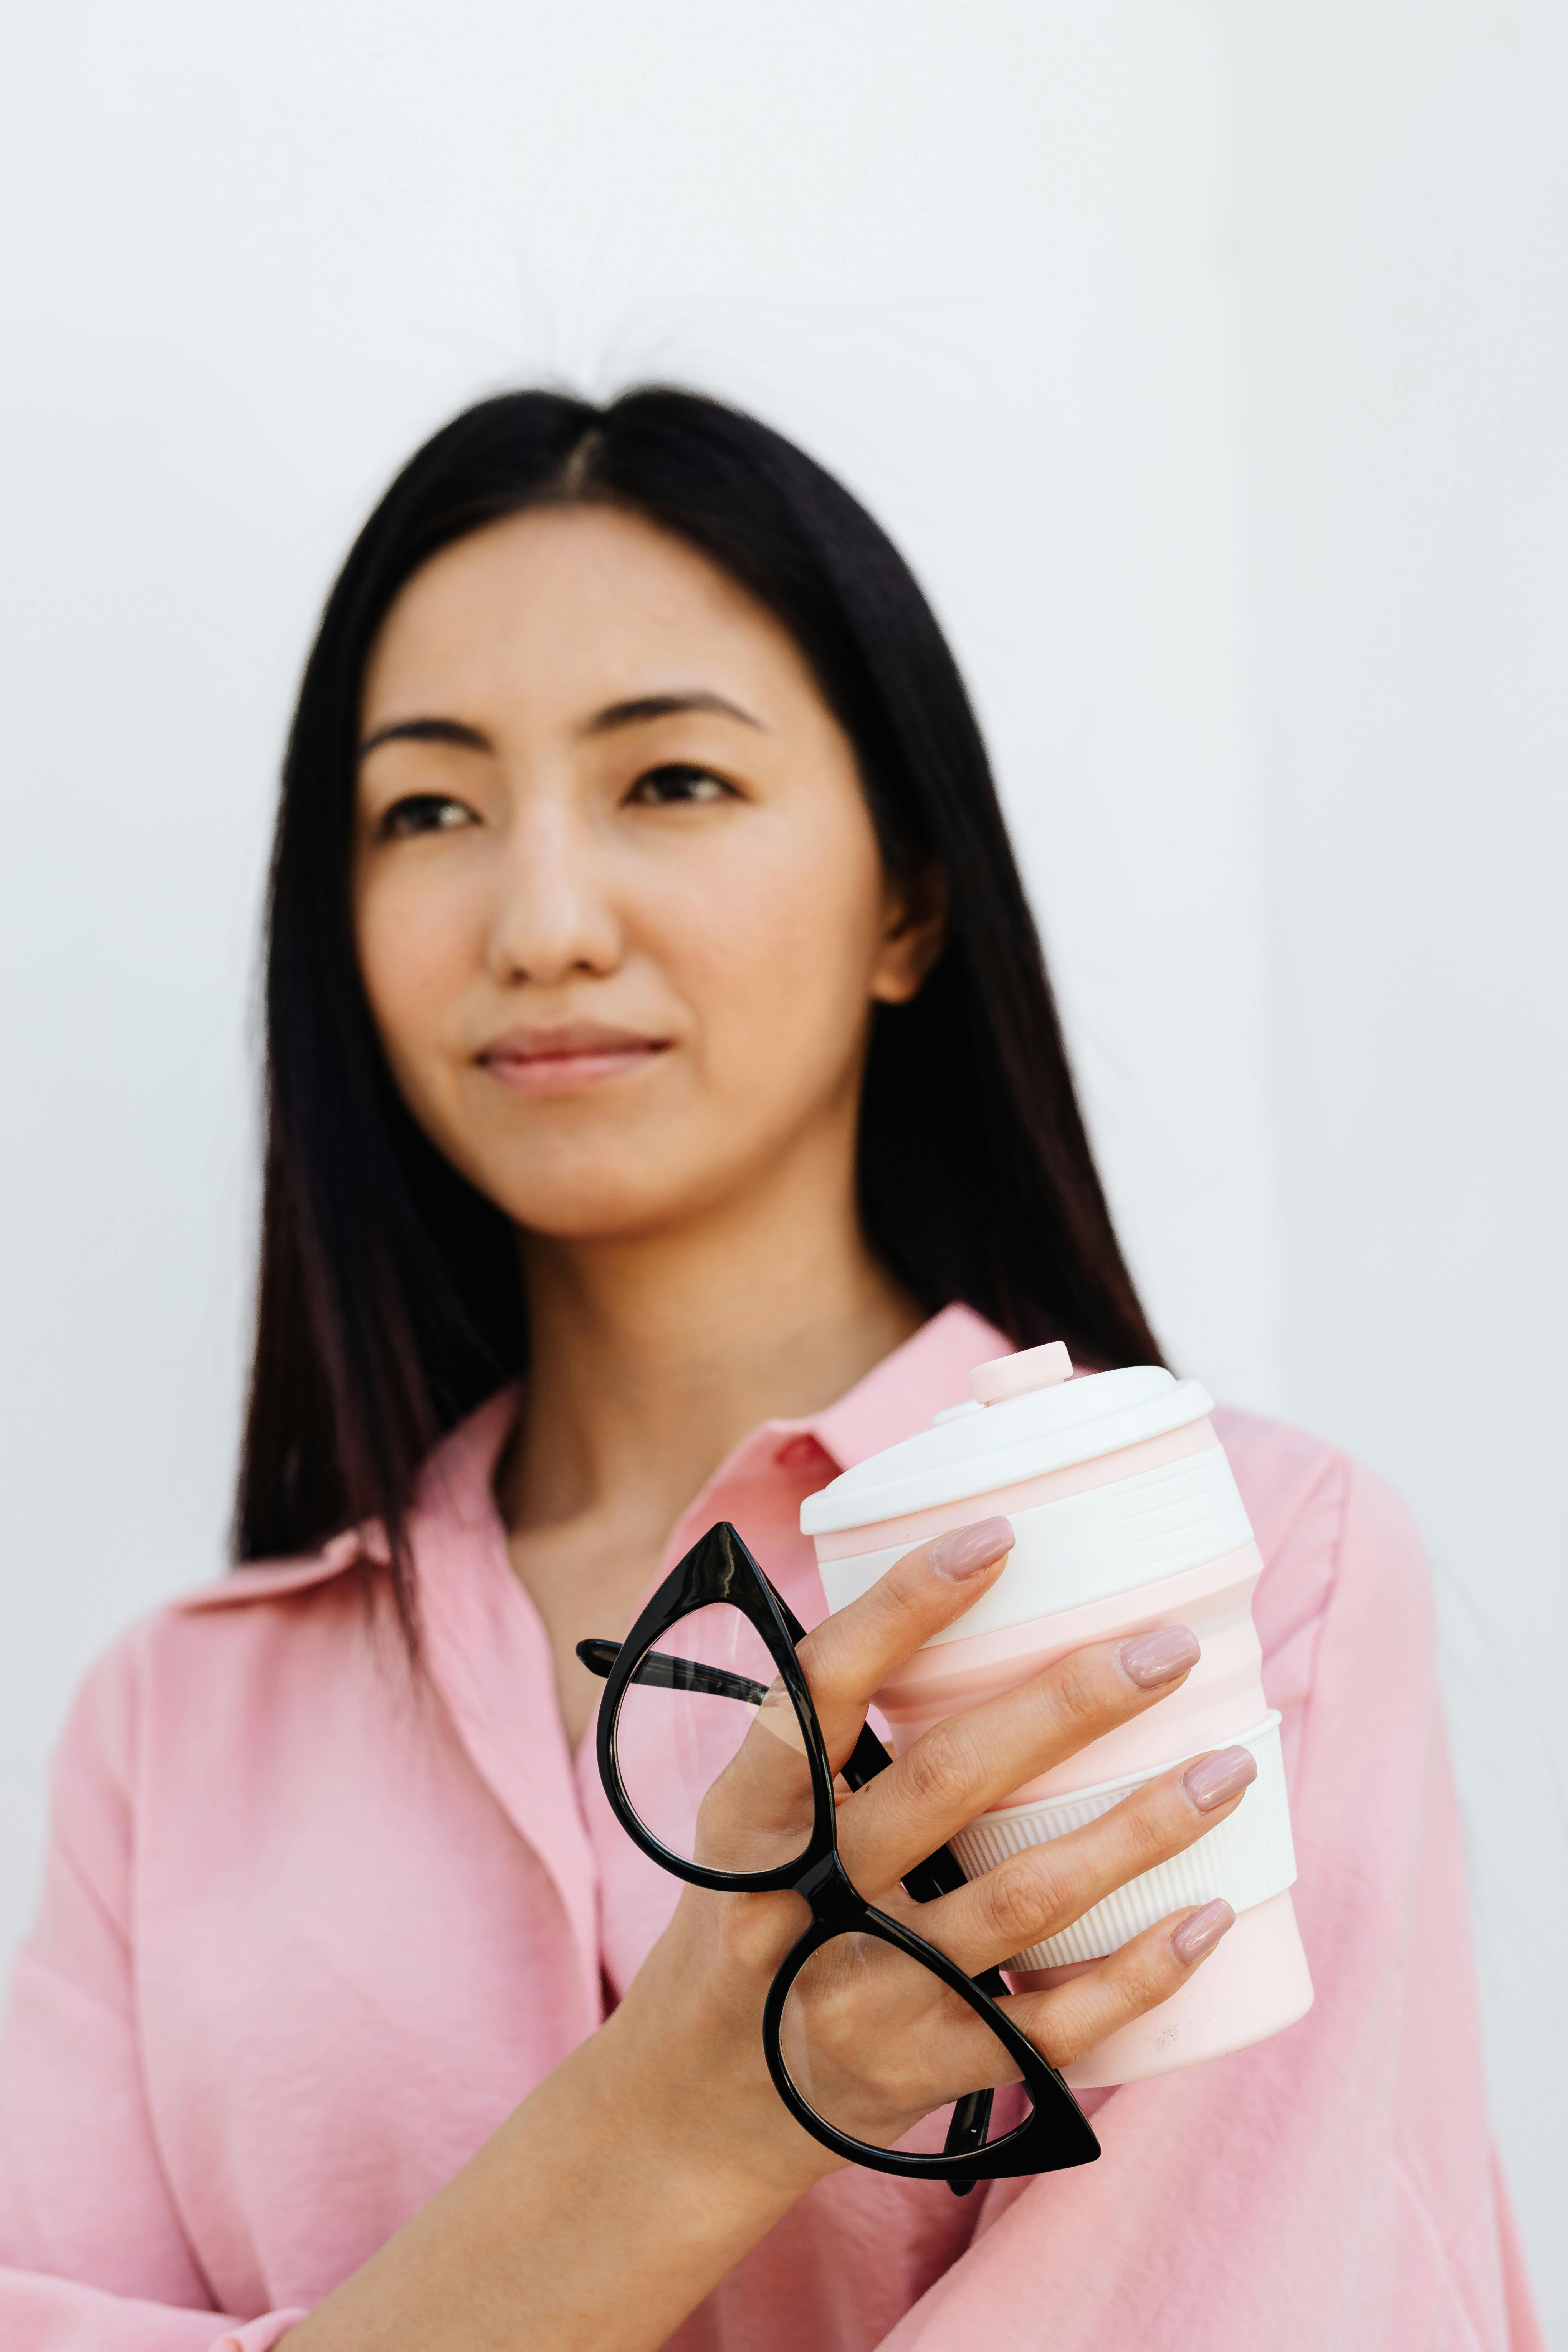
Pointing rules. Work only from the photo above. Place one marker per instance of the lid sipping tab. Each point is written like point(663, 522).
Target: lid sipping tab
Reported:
point(1019, 1375)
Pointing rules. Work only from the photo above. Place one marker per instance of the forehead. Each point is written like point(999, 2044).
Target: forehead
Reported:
point(567, 608)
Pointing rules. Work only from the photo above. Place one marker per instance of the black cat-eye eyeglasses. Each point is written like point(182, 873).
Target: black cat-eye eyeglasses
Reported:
point(692, 1739)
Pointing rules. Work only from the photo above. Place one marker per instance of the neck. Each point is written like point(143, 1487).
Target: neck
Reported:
point(652, 1356)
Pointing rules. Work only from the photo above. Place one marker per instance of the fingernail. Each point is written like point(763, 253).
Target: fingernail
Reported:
point(1201, 1933)
point(1159, 1657)
point(1213, 1779)
point(964, 1551)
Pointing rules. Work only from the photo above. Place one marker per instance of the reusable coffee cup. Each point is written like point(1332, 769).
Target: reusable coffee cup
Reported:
point(1127, 1517)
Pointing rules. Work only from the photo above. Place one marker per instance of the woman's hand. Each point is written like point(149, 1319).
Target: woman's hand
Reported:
point(646, 2164)
point(886, 2042)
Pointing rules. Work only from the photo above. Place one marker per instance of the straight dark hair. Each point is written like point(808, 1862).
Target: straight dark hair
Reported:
point(390, 1298)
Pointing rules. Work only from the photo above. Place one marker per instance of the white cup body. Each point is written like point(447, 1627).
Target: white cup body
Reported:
point(1146, 1534)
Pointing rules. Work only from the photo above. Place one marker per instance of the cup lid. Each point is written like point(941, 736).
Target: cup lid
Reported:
point(1029, 1416)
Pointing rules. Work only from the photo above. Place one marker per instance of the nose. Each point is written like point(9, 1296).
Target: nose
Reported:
point(555, 915)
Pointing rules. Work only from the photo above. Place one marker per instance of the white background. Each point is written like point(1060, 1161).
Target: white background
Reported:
point(1210, 363)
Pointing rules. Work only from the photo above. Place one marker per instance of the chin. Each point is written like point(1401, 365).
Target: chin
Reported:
point(592, 1209)
point(618, 1192)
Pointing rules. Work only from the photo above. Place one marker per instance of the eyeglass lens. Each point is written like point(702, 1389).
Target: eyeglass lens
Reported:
point(710, 1751)
point(857, 1994)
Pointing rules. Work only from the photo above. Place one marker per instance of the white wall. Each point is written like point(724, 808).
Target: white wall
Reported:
point(1117, 317)
point(1401, 199)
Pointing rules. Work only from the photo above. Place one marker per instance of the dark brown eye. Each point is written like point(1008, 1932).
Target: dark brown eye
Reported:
point(423, 813)
point(675, 782)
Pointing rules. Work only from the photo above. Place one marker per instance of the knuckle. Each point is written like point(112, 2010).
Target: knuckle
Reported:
point(1125, 1842)
point(1060, 2046)
point(901, 1590)
point(1015, 1901)
point(1139, 1980)
point(822, 1657)
point(751, 1934)
point(1119, 1988)
point(1080, 1688)
point(938, 1770)
point(1147, 1831)
point(1064, 2033)
point(907, 1601)
point(909, 1578)
point(1143, 1973)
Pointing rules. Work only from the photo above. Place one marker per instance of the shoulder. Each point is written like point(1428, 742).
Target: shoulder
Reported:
point(273, 1647)
point(183, 1726)
point(211, 1655)
point(1334, 1537)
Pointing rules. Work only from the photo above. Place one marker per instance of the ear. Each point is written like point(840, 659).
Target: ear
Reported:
point(913, 936)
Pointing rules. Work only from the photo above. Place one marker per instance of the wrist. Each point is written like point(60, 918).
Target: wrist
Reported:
point(682, 2059)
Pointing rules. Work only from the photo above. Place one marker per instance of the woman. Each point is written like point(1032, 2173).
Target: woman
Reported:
point(667, 1109)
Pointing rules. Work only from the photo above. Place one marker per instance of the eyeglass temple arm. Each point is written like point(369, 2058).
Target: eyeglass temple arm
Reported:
point(940, 1874)
point(668, 1672)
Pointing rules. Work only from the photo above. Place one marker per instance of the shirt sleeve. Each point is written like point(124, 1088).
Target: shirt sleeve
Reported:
point(92, 2254)
point(1335, 2184)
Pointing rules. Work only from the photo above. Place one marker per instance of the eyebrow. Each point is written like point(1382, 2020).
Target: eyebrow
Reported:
point(637, 712)
point(429, 730)
point(645, 707)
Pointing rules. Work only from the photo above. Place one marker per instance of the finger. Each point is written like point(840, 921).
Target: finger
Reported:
point(759, 1791)
point(1075, 2017)
point(1037, 1894)
point(975, 1760)
point(850, 1653)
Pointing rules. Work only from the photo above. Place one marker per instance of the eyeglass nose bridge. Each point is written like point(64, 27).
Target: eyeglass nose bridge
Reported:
point(830, 1891)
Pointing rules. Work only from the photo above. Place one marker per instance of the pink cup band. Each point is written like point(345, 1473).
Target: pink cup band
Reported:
point(1221, 1697)
point(1050, 1486)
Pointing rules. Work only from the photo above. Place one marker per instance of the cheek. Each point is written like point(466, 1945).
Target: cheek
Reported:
point(776, 955)
point(417, 954)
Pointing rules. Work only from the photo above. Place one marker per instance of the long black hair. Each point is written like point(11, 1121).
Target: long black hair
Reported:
point(390, 1300)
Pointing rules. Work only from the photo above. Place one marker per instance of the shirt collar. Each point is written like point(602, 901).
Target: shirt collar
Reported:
point(929, 1370)
point(898, 1395)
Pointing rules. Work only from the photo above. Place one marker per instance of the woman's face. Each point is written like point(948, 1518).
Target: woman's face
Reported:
point(619, 906)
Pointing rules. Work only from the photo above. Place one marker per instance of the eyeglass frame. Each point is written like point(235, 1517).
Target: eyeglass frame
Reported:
point(720, 1570)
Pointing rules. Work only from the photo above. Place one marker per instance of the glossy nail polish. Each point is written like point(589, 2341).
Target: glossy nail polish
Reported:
point(1149, 1659)
point(1201, 1933)
point(1213, 1780)
point(964, 1551)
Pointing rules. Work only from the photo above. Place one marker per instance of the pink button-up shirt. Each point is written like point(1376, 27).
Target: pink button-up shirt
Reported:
point(312, 1927)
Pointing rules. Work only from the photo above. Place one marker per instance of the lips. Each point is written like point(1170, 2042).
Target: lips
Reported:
point(568, 1059)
